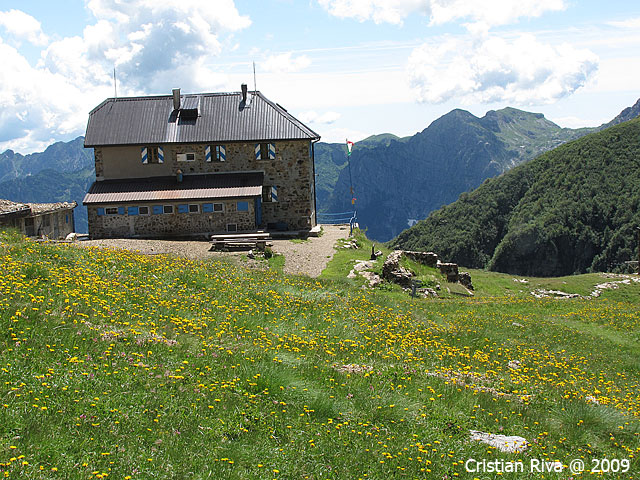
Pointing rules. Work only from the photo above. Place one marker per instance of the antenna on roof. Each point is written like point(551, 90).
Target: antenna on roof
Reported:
point(115, 85)
point(255, 88)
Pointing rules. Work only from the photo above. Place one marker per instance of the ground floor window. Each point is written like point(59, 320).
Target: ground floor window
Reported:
point(212, 207)
point(217, 207)
point(232, 227)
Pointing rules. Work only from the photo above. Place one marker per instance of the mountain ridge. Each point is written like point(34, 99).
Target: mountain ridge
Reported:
point(402, 181)
point(59, 156)
point(571, 210)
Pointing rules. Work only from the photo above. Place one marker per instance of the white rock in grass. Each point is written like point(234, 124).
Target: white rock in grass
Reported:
point(515, 364)
point(504, 443)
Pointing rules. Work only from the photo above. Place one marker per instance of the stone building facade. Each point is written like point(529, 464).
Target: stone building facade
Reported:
point(166, 220)
point(228, 169)
point(51, 220)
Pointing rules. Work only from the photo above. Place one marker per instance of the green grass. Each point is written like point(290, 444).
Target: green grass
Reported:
point(276, 262)
point(119, 365)
point(344, 258)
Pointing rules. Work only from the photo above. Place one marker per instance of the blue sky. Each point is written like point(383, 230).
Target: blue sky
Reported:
point(347, 68)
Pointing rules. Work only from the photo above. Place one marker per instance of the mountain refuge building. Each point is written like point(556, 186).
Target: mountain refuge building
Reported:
point(180, 165)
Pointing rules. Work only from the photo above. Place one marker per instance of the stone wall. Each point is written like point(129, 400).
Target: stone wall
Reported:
point(170, 224)
point(291, 172)
point(54, 225)
point(429, 259)
point(393, 272)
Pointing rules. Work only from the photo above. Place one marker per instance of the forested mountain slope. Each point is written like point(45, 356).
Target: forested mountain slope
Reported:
point(574, 209)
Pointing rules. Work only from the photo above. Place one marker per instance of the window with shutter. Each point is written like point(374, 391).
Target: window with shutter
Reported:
point(152, 154)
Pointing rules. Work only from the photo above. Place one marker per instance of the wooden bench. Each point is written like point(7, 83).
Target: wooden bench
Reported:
point(240, 240)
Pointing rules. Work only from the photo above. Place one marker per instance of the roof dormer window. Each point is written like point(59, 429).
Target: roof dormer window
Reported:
point(189, 108)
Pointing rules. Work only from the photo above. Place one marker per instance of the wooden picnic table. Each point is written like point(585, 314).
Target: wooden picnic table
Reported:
point(251, 239)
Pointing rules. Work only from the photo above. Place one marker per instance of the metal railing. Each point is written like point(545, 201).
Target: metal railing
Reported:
point(336, 218)
point(341, 218)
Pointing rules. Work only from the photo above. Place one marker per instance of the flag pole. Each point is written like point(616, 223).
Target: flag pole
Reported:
point(353, 198)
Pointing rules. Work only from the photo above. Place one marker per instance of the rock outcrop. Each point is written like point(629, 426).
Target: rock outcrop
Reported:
point(393, 272)
point(360, 268)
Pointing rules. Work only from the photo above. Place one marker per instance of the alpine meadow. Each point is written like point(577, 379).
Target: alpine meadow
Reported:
point(121, 365)
point(319, 240)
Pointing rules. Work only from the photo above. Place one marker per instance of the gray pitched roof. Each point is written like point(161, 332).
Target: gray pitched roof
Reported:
point(221, 118)
point(193, 187)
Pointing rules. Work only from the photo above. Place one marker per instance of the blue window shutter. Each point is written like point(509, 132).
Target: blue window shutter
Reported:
point(257, 206)
point(243, 206)
point(274, 193)
point(132, 210)
point(157, 209)
point(100, 211)
point(160, 155)
point(207, 153)
point(221, 153)
point(120, 210)
point(144, 155)
point(272, 151)
point(207, 207)
point(183, 208)
point(257, 149)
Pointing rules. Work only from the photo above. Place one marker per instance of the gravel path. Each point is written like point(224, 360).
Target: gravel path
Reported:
point(308, 257)
point(311, 256)
point(195, 250)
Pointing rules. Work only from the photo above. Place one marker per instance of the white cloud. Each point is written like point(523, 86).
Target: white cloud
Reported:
point(487, 12)
point(380, 11)
point(151, 41)
point(326, 118)
point(37, 105)
point(491, 69)
point(491, 12)
point(629, 23)
point(154, 45)
point(285, 63)
point(23, 26)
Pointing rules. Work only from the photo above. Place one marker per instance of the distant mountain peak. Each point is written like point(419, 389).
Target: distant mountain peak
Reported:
point(625, 115)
